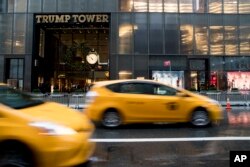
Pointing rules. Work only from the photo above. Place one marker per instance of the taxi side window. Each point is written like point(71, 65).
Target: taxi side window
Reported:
point(136, 88)
point(164, 90)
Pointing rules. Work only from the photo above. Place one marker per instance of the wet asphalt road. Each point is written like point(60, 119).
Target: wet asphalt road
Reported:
point(160, 145)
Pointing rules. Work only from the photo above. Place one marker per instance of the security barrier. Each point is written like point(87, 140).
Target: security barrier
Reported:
point(77, 101)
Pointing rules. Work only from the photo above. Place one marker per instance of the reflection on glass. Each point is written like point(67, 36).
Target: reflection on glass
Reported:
point(140, 6)
point(20, 5)
point(201, 43)
point(215, 6)
point(244, 40)
point(186, 39)
point(170, 6)
point(140, 34)
point(230, 6)
point(230, 40)
point(156, 33)
point(34, 6)
point(155, 5)
point(64, 6)
point(125, 38)
point(200, 6)
point(19, 35)
point(244, 6)
point(126, 5)
point(216, 40)
point(5, 33)
point(186, 6)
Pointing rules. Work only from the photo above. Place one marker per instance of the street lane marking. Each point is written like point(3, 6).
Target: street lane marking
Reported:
point(226, 138)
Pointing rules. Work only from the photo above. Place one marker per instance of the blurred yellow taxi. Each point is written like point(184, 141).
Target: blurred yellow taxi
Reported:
point(44, 134)
point(117, 102)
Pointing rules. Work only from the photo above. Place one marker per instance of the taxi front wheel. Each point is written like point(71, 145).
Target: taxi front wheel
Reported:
point(15, 157)
point(111, 119)
point(200, 118)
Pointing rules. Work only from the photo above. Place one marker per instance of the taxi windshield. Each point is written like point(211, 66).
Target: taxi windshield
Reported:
point(16, 99)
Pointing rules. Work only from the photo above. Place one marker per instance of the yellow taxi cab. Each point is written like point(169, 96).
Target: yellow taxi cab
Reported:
point(116, 102)
point(43, 134)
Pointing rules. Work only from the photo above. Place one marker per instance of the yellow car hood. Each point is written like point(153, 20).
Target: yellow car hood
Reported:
point(58, 113)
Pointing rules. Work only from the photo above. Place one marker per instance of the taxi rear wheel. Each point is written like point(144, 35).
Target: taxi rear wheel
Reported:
point(111, 119)
point(15, 157)
point(200, 118)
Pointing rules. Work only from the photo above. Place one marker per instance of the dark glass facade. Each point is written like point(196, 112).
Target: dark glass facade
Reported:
point(207, 41)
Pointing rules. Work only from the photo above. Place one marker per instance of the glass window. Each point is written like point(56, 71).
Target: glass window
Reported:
point(3, 6)
point(200, 6)
point(170, 6)
point(244, 31)
point(215, 6)
point(186, 34)
point(156, 33)
point(231, 35)
point(10, 6)
point(35, 6)
point(95, 5)
point(141, 66)
point(111, 6)
point(172, 36)
point(186, 6)
point(6, 33)
point(201, 34)
point(164, 90)
point(29, 34)
point(230, 6)
point(126, 5)
point(16, 69)
point(141, 33)
point(20, 5)
point(64, 6)
point(19, 33)
point(80, 5)
point(216, 35)
point(244, 6)
point(49, 5)
point(155, 5)
point(125, 34)
point(140, 5)
point(125, 66)
point(137, 88)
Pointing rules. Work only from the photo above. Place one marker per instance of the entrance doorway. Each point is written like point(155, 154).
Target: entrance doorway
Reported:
point(60, 55)
point(199, 74)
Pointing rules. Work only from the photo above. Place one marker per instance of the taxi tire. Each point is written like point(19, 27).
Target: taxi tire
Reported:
point(15, 157)
point(111, 119)
point(200, 118)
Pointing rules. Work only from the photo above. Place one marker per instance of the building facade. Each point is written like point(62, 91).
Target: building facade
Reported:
point(194, 44)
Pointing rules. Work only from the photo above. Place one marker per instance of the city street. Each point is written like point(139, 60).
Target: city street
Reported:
point(173, 145)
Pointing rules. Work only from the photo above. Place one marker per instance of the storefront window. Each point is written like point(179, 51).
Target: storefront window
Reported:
point(230, 6)
point(244, 6)
point(239, 80)
point(5, 33)
point(186, 6)
point(15, 72)
point(155, 5)
point(19, 35)
point(215, 6)
point(170, 6)
point(34, 6)
point(140, 5)
point(174, 78)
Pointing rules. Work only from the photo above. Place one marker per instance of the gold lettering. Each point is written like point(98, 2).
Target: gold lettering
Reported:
point(67, 18)
point(98, 18)
point(75, 17)
point(105, 18)
point(82, 18)
point(45, 19)
point(38, 19)
point(59, 19)
point(90, 18)
point(51, 18)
